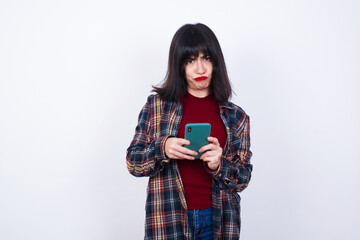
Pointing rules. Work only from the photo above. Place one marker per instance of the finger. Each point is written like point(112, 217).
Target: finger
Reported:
point(180, 155)
point(182, 141)
point(213, 140)
point(187, 151)
point(212, 163)
point(209, 158)
point(208, 147)
point(211, 154)
point(214, 143)
point(178, 141)
point(206, 155)
point(184, 156)
point(203, 156)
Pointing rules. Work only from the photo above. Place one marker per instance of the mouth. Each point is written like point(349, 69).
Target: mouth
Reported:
point(202, 78)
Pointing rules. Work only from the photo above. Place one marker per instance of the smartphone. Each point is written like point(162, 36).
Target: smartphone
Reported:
point(197, 134)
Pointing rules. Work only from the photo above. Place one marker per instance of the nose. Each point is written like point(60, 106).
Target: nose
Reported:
point(200, 67)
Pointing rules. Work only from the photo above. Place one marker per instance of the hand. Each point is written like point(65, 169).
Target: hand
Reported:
point(174, 149)
point(213, 155)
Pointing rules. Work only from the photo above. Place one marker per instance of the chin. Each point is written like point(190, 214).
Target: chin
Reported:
point(204, 85)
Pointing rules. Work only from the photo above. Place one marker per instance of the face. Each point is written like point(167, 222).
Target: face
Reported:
point(198, 73)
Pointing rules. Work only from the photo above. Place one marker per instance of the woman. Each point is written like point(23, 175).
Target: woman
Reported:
point(190, 198)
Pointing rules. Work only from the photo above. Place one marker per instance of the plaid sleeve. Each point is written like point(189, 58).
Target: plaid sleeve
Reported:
point(235, 171)
point(146, 154)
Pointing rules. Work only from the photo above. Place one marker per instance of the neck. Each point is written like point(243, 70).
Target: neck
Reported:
point(199, 94)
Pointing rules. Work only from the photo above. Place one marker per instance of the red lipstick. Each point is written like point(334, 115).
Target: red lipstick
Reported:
point(201, 78)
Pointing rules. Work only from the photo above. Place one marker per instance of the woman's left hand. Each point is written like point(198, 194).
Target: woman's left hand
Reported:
point(213, 154)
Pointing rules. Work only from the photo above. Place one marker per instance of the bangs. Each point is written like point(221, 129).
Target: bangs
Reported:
point(194, 43)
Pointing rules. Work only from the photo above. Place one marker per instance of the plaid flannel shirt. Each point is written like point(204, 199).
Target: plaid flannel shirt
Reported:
point(166, 209)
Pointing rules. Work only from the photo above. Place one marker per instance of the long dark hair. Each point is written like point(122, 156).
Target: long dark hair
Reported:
point(187, 42)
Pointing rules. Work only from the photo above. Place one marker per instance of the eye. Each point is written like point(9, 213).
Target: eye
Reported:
point(207, 58)
point(189, 60)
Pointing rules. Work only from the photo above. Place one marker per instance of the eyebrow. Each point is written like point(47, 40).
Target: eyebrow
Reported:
point(200, 56)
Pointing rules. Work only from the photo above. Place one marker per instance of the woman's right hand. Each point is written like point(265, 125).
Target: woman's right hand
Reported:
point(174, 149)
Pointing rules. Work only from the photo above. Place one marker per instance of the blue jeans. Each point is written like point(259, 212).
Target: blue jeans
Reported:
point(200, 222)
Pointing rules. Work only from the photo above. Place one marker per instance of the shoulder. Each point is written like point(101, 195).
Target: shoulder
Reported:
point(152, 98)
point(235, 112)
point(233, 108)
point(155, 101)
point(156, 98)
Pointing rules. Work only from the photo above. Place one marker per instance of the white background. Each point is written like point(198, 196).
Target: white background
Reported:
point(75, 74)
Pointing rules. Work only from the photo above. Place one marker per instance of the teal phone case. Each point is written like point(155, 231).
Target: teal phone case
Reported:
point(197, 134)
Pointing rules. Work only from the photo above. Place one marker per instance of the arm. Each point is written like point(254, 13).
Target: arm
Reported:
point(235, 171)
point(146, 155)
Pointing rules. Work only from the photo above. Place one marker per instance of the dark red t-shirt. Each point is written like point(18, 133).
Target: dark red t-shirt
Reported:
point(196, 180)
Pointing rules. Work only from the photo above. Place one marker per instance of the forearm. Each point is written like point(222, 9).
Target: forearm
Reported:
point(231, 175)
point(146, 158)
point(235, 168)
